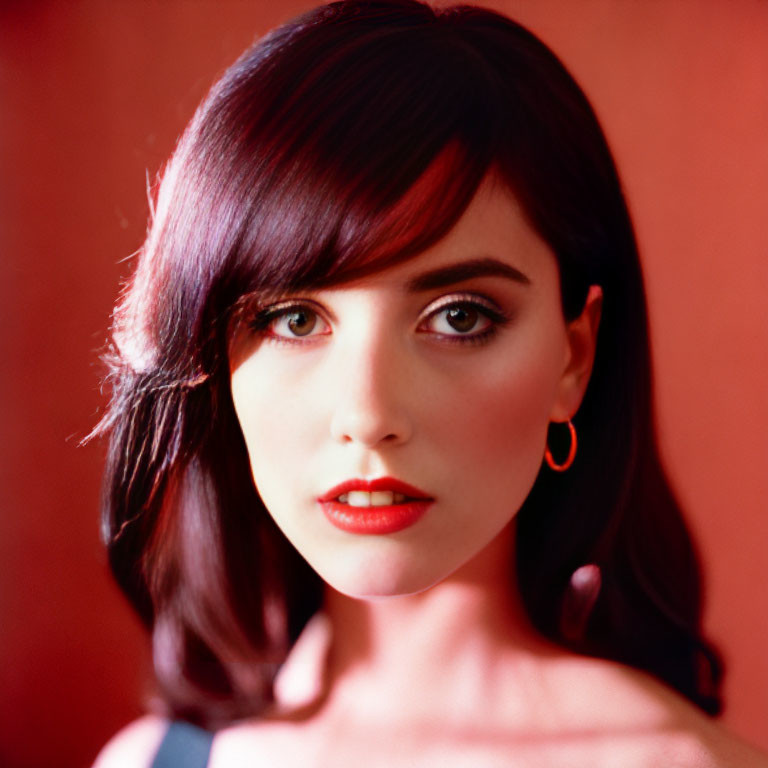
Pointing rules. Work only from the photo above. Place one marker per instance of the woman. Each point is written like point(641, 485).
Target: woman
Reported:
point(382, 478)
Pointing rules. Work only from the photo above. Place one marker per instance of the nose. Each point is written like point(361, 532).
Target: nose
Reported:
point(373, 389)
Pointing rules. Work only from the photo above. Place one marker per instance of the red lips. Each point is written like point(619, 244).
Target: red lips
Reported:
point(375, 520)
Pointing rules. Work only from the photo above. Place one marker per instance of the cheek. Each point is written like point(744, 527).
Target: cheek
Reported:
point(511, 410)
point(498, 422)
point(277, 419)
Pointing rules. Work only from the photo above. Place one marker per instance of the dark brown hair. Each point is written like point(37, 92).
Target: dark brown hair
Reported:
point(343, 142)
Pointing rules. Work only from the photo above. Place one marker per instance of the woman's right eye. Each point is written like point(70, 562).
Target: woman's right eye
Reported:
point(292, 322)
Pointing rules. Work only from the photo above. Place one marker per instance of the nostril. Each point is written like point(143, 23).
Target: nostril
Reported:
point(390, 438)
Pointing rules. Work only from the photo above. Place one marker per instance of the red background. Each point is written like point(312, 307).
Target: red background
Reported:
point(93, 95)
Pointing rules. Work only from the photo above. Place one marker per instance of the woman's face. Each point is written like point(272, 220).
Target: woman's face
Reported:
point(441, 373)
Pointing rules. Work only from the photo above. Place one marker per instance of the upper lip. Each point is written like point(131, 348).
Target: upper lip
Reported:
point(378, 484)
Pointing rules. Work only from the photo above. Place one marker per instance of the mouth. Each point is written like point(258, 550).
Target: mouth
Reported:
point(380, 506)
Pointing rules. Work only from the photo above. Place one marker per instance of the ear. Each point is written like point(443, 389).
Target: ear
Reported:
point(580, 355)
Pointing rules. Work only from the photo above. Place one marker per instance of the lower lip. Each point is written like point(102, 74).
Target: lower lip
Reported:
point(372, 520)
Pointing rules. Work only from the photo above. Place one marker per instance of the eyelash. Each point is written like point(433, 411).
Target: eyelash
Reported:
point(265, 317)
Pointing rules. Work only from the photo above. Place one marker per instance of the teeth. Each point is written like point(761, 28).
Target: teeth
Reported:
point(359, 499)
point(372, 499)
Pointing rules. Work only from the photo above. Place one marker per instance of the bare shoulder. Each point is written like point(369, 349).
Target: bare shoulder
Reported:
point(712, 742)
point(694, 739)
point(135, 745)
point(649, 718)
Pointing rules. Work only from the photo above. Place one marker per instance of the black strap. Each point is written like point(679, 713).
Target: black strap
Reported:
point(184, 746)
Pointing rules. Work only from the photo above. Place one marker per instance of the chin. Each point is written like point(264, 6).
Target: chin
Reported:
point(371, 581)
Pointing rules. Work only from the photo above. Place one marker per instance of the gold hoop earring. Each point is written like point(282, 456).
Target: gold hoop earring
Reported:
point(571, 453)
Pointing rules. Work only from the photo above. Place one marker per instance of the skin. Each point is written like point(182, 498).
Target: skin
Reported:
point(383, 385)
point(424, 655)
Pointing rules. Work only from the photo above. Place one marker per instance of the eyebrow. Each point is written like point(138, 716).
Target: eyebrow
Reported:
point(465, 270)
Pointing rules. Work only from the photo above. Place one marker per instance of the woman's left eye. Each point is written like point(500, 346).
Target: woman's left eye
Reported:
point(463, 321)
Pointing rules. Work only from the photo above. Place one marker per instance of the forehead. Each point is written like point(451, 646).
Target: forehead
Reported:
point(493, 227)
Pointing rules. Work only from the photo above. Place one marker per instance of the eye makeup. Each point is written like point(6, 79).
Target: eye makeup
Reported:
point(299, 320)
point(469, 319)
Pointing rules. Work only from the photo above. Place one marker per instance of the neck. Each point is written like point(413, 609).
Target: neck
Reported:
point(447, 644)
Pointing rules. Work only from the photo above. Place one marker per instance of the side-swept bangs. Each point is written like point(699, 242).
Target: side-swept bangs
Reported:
point(311, 162)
